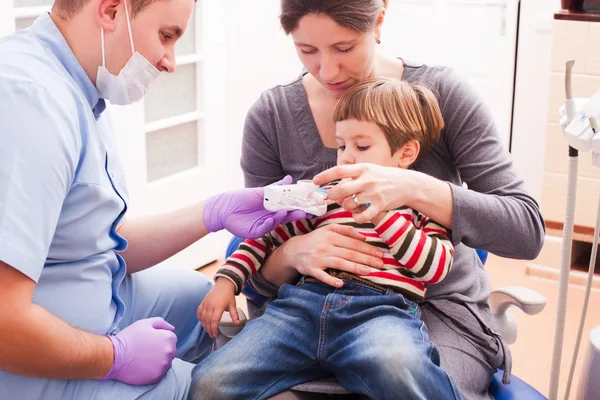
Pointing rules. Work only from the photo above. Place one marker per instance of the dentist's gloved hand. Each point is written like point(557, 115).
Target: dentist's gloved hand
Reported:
point(144, 352)
point(242, 213)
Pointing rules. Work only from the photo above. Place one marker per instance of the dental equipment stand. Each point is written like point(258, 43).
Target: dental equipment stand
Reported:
point(579, 123)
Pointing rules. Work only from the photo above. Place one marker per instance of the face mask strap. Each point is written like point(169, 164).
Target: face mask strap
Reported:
point(102, 46)
point(129, 28)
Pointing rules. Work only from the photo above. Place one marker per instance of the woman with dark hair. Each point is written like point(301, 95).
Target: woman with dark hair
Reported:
point(291, 130)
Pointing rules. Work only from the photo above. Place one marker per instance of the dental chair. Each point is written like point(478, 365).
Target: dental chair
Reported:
point(500, 300)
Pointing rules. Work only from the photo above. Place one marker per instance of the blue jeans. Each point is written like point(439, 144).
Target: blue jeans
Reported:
point(372, 340)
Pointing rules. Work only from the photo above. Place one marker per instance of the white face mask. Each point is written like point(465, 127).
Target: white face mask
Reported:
point(133, 81)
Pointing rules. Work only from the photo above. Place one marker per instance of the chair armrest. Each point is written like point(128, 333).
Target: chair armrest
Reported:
point(529, 301)
point(226, 326)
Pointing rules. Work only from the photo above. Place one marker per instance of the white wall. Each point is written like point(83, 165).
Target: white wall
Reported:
point(7, 18)
point(532, 88)
point(476, 38)
point(259, 56)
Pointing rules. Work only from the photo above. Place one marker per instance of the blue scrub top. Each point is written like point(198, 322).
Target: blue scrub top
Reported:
point(62, 187)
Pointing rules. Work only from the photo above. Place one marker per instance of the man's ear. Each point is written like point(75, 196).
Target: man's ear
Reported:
point(106, 14)
point(407, 154)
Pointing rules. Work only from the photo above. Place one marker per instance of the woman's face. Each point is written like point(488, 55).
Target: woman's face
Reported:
point(336, 56)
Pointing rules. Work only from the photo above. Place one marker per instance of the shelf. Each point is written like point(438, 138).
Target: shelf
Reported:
point(577, 16)
point(580, 233)
point(188, 59)
point(30, 12)
point(172, 121)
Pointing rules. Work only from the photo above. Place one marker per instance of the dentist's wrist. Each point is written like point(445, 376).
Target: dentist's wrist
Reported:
point(210, 214)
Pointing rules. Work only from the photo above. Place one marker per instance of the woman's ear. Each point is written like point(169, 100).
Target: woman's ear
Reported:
point(407, 154)
point(379, 23)
point(106, 14)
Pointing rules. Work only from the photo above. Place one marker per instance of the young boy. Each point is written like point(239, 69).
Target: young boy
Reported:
point(390, 123)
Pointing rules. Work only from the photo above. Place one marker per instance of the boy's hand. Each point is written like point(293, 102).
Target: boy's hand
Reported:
point(375, 220)
point(378, 217)
point(220, 298)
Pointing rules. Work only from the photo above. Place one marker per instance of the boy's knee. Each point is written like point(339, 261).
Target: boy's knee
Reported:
point(206, 390)
point(207, 385)
point(403, 363)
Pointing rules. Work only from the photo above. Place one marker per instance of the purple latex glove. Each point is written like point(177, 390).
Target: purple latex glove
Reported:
point(242, 213)
point(144, 352)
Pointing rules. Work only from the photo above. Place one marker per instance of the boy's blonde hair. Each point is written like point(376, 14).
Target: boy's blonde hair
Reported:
point(404, 111)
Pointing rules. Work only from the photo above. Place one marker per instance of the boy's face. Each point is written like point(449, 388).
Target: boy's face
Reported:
point(364, 142)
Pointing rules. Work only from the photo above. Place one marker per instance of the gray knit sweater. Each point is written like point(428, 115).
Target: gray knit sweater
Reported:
point(494, 213)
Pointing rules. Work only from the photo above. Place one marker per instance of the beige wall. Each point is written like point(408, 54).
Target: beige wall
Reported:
point(579, 41)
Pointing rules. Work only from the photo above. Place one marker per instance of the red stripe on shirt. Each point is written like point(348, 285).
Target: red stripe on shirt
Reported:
point(433, 230)
point(397, 278)
point(238, 268)
point(336, 215)
point(300, 226)
point(284, 236)
point(369, 234)
point(391, 261)
point(440, 268)
point(246, 259)
point(399, 233)
point(388, 223)
point(418, 251)
point(258, 245)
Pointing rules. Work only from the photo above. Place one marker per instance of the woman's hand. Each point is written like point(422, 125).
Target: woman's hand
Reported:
point(382, 188)
point(332, 246)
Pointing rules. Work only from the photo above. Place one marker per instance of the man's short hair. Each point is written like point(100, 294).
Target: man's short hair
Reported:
point(70, 8)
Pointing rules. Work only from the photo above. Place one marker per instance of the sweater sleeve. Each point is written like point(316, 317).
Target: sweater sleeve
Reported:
point(252, 254)
point(494, 212)
point(260, 159)
point(418, 243)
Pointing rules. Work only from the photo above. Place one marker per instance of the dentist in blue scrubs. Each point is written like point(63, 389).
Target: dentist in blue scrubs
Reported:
point(83, 312)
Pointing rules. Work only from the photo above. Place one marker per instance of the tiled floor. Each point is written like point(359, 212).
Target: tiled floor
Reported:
point(532, 352)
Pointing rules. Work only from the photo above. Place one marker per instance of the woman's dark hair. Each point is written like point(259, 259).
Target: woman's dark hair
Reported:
point(357, 15)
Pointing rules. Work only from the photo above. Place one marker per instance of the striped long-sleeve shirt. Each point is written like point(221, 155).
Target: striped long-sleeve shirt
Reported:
point(417, 250)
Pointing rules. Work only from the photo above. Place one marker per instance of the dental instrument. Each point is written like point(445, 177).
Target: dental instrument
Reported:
point(580, 127)
point(304, 196)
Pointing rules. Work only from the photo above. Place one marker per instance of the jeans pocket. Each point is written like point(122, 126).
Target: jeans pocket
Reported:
point(301, 281)
point(406, 304)
point(414, 307)
point(283, 288)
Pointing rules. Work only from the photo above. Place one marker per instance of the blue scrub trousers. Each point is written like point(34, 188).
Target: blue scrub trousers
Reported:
point(163, 291)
